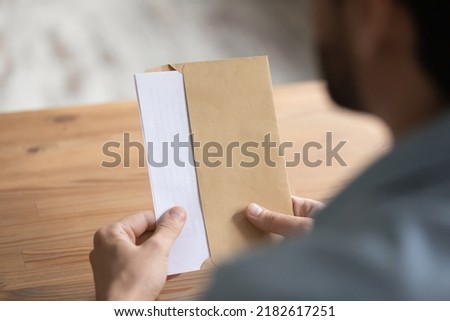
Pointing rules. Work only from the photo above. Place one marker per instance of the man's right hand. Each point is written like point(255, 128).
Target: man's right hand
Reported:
point(286, 225)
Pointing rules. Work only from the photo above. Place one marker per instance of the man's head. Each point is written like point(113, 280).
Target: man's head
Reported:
point(382, 56)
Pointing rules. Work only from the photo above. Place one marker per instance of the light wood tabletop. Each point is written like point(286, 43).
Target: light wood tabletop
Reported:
point(54, 193)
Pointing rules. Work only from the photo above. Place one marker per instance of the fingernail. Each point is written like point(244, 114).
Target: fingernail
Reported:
point(178, 213)
point(254, 210)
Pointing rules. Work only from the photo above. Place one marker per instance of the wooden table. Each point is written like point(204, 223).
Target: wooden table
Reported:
point(54, 194)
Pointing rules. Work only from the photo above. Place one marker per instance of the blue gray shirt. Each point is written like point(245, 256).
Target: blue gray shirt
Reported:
point(386, 237)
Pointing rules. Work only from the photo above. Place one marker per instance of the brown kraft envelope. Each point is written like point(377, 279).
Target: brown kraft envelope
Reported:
point(230, 102)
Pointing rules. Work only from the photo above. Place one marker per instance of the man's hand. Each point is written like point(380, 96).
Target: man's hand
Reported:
point(286, 225)
point(129, 259)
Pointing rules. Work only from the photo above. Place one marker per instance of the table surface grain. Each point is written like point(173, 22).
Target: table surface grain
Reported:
point(54, 193)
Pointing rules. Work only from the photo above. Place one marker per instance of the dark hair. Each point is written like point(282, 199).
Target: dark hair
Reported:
point(432, 21)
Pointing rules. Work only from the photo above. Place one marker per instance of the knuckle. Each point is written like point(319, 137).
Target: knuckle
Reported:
point(91, 257)
point(99, 236)
point(171, 228)
point(269, 217)
point(105, 233)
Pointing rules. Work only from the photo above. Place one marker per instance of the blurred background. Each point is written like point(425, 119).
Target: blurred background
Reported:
point(63, 52)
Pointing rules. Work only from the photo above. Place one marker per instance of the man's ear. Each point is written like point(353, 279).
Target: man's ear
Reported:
point(374, 26)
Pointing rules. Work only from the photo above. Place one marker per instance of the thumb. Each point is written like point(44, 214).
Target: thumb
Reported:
point(282, 224)
point(167, 230)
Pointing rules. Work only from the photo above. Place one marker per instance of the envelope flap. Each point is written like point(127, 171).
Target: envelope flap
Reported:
point(161, 68)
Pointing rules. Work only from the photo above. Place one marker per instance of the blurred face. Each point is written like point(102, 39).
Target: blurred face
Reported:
point(334, 49)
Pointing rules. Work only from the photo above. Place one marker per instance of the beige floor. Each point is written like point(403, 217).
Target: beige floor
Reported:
point(63, 52)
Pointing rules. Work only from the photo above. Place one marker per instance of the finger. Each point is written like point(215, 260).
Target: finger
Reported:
point(137, 224)
point(277, 223)
point(167, 230)
point(305, 207)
